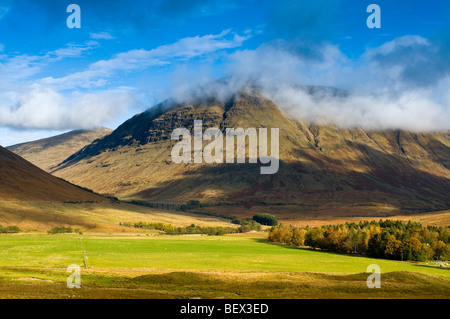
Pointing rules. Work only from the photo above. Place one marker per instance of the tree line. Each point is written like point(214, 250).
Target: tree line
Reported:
point(387, 239)
point(245, 226)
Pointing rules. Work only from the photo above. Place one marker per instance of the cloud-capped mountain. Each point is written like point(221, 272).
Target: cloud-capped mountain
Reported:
point(320, 164)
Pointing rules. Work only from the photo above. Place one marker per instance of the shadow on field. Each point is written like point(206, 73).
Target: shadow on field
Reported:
point(266, 241)
point(399, 284)
point(175, 278)
point(429, 266)
point(51, 283)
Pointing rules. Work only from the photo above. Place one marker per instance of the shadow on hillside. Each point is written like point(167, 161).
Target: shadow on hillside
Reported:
point(319, 179)
point(404, 177)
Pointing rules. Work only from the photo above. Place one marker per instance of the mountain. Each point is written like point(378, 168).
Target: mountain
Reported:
point(48, 152)
point(321, 166)
point(23, 181)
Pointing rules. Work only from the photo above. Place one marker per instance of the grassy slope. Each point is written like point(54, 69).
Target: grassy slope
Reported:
point(438, 218)
point(23, 181)
point(48, 152)
point(329, 214)
point(105, 217)
point(93, 217)
point(231, 267)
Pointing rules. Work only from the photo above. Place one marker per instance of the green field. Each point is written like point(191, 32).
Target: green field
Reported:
point(189, 266)
point(185, 253)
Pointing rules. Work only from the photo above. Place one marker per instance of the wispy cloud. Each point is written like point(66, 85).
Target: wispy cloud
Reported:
point(101, 36)
point(99, 73)
point(70, 51)
point(19, 68)
point(3, 11)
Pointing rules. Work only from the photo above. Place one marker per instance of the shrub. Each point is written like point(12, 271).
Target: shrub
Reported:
point(9, 229)
point(60, 230)
point(190, 204)
point(266, 219)
point(249, 225)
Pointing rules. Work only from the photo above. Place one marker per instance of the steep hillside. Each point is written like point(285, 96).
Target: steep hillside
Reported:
point(22, 181)
point(48, 152)
point(320, 165)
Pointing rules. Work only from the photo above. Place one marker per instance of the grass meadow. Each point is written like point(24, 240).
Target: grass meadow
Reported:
point(232, 266)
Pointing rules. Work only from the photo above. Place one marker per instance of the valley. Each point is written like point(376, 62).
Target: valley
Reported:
point(87, 182)
point(234, 150)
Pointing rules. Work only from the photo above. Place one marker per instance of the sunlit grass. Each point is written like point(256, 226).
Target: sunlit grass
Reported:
point(241, 253)
point(243, 266)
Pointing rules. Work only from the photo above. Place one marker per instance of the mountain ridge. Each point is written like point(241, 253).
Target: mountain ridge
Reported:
point(49, 152)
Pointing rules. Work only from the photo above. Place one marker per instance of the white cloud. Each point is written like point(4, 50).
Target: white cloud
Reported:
point(383, 93)
point(398, 85)
point(41, 107)
point(411, 110)
point(394, 45)
point(40, 104)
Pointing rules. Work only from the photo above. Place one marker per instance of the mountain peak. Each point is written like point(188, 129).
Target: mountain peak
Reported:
point(247, 108)
point(318, 163)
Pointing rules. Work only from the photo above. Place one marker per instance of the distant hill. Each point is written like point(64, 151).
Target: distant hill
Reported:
point(49, 152)
point(23, 181)
point(321, 166)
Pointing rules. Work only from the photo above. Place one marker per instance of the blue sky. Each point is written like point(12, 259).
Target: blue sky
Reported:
point(129, 55)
